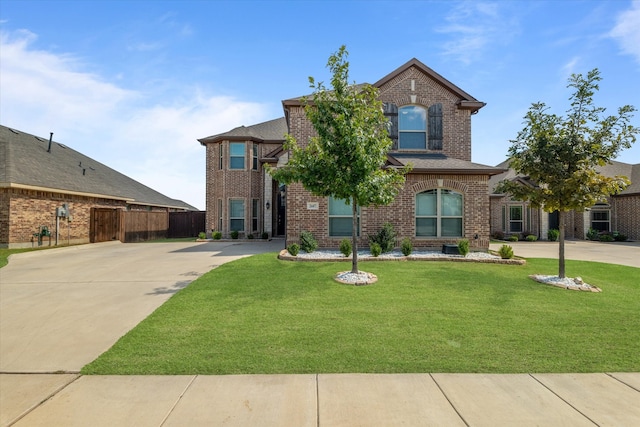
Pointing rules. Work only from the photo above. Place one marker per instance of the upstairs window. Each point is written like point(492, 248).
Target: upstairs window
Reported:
point(412, 123)
point(255, 157)
point(236, 155)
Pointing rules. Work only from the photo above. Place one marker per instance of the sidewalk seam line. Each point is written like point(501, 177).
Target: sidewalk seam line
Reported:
point(448, 400)
point(317, 400)
point(621, 381)
point(563, 399)
point(166, 417)
point(42, 402)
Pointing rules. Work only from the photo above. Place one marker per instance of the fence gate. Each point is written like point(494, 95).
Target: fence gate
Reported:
point(104, 225)
point(186, 224)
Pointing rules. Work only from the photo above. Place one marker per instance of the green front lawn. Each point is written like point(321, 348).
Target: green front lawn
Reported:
point(262, 315)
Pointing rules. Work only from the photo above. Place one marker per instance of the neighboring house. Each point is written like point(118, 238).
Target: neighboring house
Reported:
point(445, 197)
point(46, 184)
point(619, 213)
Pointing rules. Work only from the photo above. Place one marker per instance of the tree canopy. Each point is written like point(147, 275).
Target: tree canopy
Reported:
point(559, 154)
point(346, 159)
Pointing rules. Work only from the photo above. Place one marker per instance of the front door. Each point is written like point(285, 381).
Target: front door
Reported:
point(554, 220)
point(281, 211)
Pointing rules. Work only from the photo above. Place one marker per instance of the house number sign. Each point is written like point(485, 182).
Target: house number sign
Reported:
point(313, 206)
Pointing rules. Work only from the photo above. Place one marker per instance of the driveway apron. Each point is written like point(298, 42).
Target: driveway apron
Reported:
point(62, 308)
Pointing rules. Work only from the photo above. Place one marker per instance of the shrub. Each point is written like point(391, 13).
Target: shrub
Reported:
point(216, 235)
point(293, 249)
point(375, 249)
point(202, 235)
point(345, 247)
point(531, 238)
point(463, 247)
point(618, 237)
point(386, 238)
point(250, 236)
point(265, 235)
point(506, 252)
point(308, 243)
point(498, 235)
point(406, 247)
point(553, 234)
point(592, 234)
point(513, 238)
point(235, 234)
point(606, 237)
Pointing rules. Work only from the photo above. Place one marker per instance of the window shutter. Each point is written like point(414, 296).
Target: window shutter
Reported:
point(435, 127)
point(391, 112)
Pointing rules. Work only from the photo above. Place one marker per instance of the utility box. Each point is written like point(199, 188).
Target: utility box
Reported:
point(450, 249)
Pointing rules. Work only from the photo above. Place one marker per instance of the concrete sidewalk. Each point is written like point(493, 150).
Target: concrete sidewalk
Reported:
point(61, 308)
point(324, 400)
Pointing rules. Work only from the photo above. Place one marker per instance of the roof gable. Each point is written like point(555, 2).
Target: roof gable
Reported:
point(269, 131)
point(466, 100)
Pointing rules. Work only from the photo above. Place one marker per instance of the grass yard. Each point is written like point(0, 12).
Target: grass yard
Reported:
point(262, 315)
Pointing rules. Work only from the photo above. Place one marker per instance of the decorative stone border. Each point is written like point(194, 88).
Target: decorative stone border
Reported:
point(286, 256)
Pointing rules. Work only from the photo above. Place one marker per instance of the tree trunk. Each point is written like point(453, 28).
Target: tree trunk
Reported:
point(561, 272)
point(354, 236)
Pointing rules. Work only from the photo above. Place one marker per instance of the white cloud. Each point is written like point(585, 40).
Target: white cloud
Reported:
point(151, 140)
point(627, 32)
point(473, 27)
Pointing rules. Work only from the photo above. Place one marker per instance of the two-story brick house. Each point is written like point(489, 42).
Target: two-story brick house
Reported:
point(445, 197)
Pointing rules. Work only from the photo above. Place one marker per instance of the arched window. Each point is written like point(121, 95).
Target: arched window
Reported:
point(439, 213)
point(412, 124)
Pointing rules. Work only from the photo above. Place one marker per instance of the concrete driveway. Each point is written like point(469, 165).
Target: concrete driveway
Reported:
point(623, 253)
point(62, 308)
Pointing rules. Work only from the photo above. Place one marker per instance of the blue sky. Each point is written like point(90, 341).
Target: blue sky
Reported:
point(133, 84)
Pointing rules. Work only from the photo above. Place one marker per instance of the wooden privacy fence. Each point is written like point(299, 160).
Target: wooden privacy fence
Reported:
point(186, 224)
point(138, 226)
point(127, 226)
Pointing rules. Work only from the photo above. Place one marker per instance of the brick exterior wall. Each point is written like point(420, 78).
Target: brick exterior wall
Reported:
point(242, 184)
point(28, 210)
point(401, 213)
point(626, 215)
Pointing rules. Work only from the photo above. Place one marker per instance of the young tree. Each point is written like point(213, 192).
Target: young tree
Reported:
point(346, 160)
point(560, 154)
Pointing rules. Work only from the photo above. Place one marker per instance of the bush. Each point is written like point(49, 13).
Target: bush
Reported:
point(506, 252)
point(553, 234)
point(265, 236)
point(606, 237)
point(250, 236)
point(293, 249)
point(406, 247)
point(216, 235)
point(235, 234)
point(498, 235)
point(308, 243)
point(386, 238)
point(618, 237)
point(202, 235)
point(463, 247)
point(513, 238)
point(345, 247)
point(531, 238)
point(592, 234)
point(375, 249)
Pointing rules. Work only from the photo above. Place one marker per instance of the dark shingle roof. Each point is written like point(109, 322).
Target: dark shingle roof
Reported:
point(270, 131)
point(25, 163)
point(430, 162)
point(612, 169)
